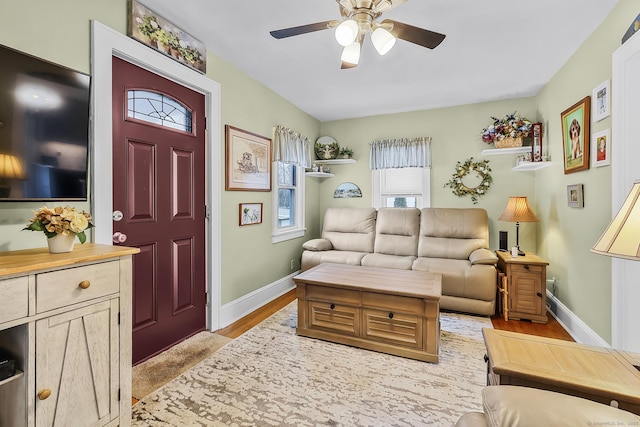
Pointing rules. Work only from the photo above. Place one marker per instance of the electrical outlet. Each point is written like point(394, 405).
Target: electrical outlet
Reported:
point(293, 264)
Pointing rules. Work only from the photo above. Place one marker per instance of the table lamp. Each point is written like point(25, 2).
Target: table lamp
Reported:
point(10, 169)
point(518, 210)
point(622, 238)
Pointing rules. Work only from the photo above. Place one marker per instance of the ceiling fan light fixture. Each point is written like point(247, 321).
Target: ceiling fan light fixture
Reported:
point(347, 32)
point(351, 54)
point(382, 40)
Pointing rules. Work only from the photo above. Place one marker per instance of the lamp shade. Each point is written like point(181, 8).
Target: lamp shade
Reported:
point(518, 210)
point(382, 40)
point(351, 54)
point(10, 167)
point(622, 238)
point(347, 32)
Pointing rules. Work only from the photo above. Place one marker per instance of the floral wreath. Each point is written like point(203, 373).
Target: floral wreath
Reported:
point(463, 169)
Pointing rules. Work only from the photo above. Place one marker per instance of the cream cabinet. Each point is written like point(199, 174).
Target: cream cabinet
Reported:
point(66, 321)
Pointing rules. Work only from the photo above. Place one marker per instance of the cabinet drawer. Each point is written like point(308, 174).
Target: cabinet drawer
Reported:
point(400, 329)
point(333, 295)
point(334, 318)
point(64, 287)
point(527, 268)
point(15, 298)
point(392, 302)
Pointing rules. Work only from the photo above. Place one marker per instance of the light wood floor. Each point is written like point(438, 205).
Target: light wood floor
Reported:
point(551, 329)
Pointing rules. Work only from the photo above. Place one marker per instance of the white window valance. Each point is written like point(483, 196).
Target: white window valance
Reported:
point(291, 147)
point(400, 153)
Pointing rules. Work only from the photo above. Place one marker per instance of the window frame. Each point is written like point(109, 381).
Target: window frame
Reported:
point(298, 229)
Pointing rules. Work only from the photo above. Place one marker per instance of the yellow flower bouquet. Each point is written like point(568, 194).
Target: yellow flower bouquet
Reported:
point(60, 220)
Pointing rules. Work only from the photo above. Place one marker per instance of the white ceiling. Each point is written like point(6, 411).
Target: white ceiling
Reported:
point(494, 49)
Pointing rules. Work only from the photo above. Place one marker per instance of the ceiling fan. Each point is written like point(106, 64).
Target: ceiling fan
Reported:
point(360, 17)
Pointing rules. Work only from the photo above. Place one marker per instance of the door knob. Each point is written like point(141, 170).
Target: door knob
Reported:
point(119, 237)
point(44, 394)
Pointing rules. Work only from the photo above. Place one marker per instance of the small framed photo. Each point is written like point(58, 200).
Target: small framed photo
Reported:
point(250, 213)
point(536, 142)
point(575, 197)
point(248, 159)
point(575, 136)
point(602, 103)
point(601, 149)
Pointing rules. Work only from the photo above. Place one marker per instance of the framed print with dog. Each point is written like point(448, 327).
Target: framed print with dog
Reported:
point(248, 161)
point(575, 135)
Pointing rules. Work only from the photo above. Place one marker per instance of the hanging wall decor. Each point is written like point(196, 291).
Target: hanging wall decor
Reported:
point(347, 190)
point(471, 179)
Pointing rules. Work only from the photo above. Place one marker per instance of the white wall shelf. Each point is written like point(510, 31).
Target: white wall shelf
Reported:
point(319, 174)
point(531, 166)
point(334, 161)
point(499, 151)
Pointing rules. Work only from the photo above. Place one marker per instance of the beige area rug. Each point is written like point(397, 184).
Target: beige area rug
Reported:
point(269, 376)
point(152, 374)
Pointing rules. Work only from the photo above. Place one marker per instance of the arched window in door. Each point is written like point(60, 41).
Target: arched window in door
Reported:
point(158, 109)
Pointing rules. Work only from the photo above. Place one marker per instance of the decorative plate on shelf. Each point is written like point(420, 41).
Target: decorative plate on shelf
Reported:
point(326, 148)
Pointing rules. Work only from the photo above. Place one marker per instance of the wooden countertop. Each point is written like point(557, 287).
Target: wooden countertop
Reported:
point(30, 260)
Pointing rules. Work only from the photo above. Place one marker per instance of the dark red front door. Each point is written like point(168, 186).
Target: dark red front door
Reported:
point(159, 187)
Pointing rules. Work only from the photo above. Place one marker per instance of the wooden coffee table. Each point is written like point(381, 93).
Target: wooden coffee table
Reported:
point(386, 310)
point(595, 373)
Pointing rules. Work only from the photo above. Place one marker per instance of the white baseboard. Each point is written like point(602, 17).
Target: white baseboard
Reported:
point(579, 330)
point(237, 309)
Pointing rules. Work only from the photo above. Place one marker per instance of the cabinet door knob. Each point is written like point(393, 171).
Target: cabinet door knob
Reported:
point(332, 306)
point(44, 394)
point(526, 266)
point(539, 294)
point(390, 315)
point(84, 284)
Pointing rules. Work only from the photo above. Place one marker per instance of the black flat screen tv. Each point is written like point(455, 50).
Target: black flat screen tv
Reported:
point(44, 129)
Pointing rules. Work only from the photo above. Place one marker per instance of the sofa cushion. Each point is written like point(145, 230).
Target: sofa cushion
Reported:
point(460, 278)
point(388, 261)
point(452, 233)
point(530, 407)
point(350, 229)
point(317, 245)
point(397, 231)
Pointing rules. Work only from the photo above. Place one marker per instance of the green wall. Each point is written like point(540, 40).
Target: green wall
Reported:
point(567, 234)
point(455, 134)
point(60, 32)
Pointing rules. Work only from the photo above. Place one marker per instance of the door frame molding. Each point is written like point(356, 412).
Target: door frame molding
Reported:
point(105, 43)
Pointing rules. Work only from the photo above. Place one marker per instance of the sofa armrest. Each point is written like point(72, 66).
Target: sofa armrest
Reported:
point(483, 256)
point(317, 245)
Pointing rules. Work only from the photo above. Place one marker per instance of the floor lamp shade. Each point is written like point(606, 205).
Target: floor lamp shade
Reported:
point(621, 239)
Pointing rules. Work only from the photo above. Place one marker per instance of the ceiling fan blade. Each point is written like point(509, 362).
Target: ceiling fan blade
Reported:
point(303, 29)
point(419, 36)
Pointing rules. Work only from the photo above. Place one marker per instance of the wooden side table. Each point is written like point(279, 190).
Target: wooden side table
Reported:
point(522, 286)
point(600, 374)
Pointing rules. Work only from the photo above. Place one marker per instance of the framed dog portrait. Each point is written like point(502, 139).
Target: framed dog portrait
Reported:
point(248, 161)
point(576, 136)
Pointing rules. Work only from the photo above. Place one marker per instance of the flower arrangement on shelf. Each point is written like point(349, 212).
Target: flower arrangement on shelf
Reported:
point(345, 153)
point(458, 186)
point(509, 126)
point(60, 220)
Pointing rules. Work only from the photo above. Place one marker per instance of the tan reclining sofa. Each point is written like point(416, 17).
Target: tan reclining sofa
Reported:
point(453, 242)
